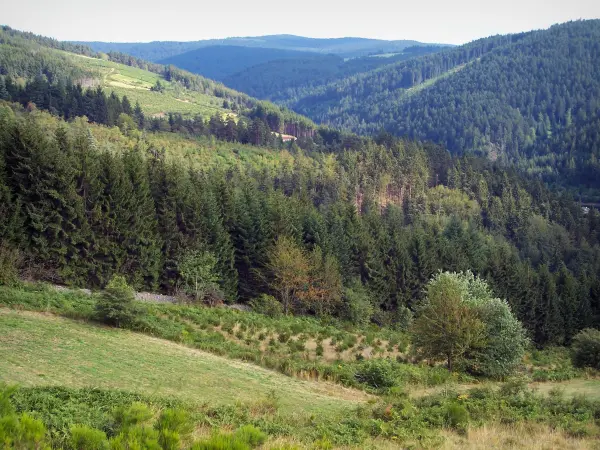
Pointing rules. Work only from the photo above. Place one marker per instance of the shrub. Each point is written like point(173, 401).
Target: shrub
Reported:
point(116, 303)
point(250, 435)
point(267, 305)
point(175, 419)
point(169, 440)
point(457, 416)
point(87, 438)
point(22, 432)
point(323, 444)
point(132, 415)
point(138, 437)
point(221, 442)
point(319, 350)
point(586, 348)
point(377, 373)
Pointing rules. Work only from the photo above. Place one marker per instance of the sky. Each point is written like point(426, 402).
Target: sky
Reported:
point(436, 21)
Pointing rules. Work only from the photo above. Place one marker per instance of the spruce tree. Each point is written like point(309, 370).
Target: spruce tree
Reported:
point(4, 95)
point(141, 240)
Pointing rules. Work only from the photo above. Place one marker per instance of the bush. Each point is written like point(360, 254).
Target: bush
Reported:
point(138, 437)
point(116, 303)
point(586, 348)
point(175, 419)
point(377, 373)
point(22, 432)
point(250, 435)
point(457, 416)
point(171, 425)
point(267, 305)
point(86, 438)
point(132, 415)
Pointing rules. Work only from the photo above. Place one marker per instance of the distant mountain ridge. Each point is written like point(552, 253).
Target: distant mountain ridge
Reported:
point(279, 80)
point(347, 47)
point(220, 61)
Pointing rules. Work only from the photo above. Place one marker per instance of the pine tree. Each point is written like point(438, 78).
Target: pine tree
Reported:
point(4, 95)
point(142, 242)
point(139, 115)
point(549, 323)
point(126, 106)
point(568, 292)
point(215, 234)
point(43, 180)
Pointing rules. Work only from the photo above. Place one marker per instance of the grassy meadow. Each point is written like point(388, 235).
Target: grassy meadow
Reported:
point(40, 349)
point(135, 83)
point(208, 361)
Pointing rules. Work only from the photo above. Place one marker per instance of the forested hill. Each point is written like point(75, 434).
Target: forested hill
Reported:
point(278, 80)
point(49, 69)
point(347, 47)
point(501, 95)
point(219, 61)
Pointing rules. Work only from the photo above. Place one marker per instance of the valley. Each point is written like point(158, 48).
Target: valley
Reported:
point(365, 243)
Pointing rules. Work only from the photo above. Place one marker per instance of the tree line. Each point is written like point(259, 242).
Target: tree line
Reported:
point(69, 101)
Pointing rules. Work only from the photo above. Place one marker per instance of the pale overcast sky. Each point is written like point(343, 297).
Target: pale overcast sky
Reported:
point(442, 21)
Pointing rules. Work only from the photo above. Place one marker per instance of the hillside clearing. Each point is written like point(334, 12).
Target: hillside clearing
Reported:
point(38, 349)
point(135, 83)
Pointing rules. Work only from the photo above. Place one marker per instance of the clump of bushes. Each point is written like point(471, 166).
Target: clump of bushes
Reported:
point(124, 426)
point(376, 373)
point(586, 348)
point(19, 431)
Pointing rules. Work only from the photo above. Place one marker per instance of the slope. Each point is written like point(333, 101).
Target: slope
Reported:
point(281, 79)
point(42, 350)
point(220, 61)
point(137, 84)
point(347, 47)
point(512, 92)
point(30, 59)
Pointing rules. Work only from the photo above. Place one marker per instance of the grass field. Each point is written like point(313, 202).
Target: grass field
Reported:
point(38, 349)
point(589, 389)
point(77, 367)
point(135, 83)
